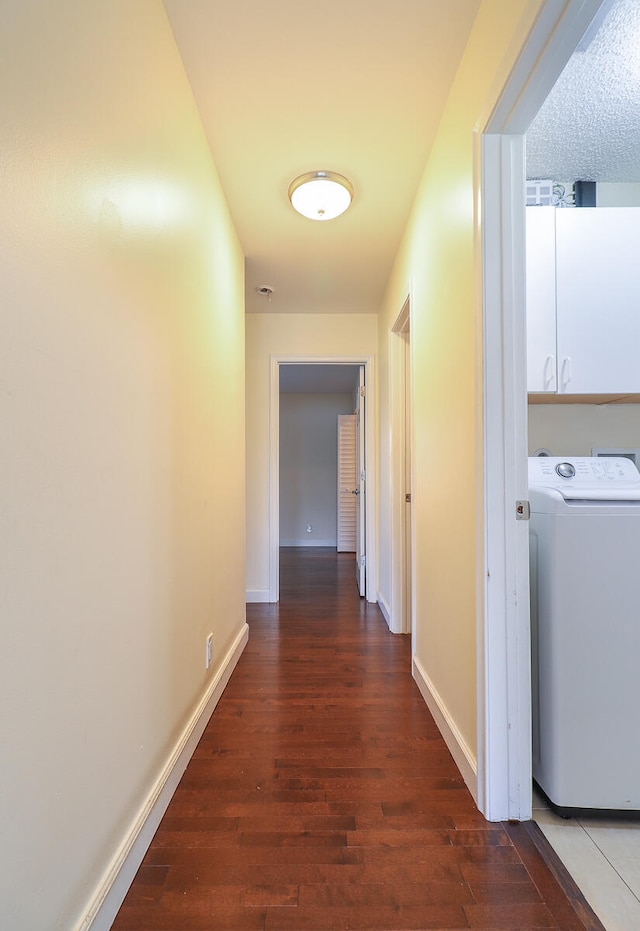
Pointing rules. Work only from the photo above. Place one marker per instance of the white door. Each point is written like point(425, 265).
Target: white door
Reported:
point(347, 485)
point(360, 496)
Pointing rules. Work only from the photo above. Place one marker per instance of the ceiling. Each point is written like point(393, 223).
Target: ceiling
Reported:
point(589, 126)
point(358, 87)
point(284, 87)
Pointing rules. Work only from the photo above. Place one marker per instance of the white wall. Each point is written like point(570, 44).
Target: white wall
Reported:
point(320, 335)
point(122, 473)
point(574, 429)
point(309, 467)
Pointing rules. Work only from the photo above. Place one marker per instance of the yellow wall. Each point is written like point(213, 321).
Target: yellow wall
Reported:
point(438, 262)
point(122, 408)
point(284, 334)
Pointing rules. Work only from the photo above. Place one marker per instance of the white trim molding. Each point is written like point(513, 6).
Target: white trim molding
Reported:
point(504, 732)
point(386, 613)
point(109, 895)
point(274, 479)
point(401, 613)
point(459, 749)
point(548, 36)
point(305, 541)
point(257, 596)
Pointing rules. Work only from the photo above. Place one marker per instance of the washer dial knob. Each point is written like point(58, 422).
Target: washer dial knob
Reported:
point(565, 469)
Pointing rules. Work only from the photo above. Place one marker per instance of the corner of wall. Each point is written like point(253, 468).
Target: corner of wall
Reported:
point(462, 755)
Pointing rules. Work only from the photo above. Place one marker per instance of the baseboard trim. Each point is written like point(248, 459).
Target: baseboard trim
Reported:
point(458, 748)
point(110, 893)
point(305, 541)
point(257, 596)
point(386, 611)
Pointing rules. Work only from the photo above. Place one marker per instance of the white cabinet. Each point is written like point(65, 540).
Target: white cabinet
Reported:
point(593, 306)
point(541, 299)
point(598, 299)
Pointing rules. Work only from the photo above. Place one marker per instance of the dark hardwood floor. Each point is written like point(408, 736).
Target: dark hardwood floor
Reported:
point(323, 797)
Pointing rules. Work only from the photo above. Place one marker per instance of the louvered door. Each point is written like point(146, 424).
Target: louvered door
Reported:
point(347, 484)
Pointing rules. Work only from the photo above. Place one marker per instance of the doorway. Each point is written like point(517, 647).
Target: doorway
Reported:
point(504, 687)
point(313, 399)
point(402, 612)
point(347, 487)
point(307, 371)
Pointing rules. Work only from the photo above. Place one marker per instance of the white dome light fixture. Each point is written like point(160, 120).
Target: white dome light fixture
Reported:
point(321, 195)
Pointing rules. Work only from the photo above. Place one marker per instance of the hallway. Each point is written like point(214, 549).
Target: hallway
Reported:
point(322, 796)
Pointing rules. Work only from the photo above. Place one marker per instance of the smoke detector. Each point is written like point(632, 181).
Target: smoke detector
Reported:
point(266, 290)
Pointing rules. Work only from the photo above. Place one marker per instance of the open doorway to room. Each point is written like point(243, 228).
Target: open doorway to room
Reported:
point(317, 489)
point(401, 506)
point(504, 648)
point(320, 495)
point(583, 333)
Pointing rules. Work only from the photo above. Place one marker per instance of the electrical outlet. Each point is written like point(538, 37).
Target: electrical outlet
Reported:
point(209, 651)
point(309, 528)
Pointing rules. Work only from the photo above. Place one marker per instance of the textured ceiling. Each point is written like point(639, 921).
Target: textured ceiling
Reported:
point(589, 127)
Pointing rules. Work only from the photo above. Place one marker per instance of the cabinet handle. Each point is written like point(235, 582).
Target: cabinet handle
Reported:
point(565, 373)
point(549, 373)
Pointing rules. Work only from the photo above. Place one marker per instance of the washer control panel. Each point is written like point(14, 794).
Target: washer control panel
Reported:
point(582, 472)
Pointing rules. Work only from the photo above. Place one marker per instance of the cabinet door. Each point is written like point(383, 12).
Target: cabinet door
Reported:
point(541, 298)
point(598, 300)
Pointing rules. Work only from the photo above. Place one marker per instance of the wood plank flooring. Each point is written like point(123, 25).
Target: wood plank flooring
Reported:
point(323, 797)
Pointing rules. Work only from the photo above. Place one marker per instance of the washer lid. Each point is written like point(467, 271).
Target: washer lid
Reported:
point(586, 478)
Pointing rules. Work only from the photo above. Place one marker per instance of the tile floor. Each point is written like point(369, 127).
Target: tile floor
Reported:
point(603, 857)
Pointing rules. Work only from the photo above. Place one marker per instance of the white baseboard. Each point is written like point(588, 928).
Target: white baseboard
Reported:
point(460, 751)
point(386, 611)
point(110, 893)
point(257, 596)
point(305, 541)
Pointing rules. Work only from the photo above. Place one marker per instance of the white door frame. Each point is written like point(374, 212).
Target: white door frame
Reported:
point(503, 647)
point(400, 612)
point(274, 464)
point(361, 482)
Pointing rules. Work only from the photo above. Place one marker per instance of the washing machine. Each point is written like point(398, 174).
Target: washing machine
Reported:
point(585, 630)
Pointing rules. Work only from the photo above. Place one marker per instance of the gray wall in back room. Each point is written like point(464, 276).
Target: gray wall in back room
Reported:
point(308, 467)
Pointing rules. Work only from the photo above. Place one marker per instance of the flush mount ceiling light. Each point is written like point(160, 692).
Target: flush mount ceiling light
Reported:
point(321, 195)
